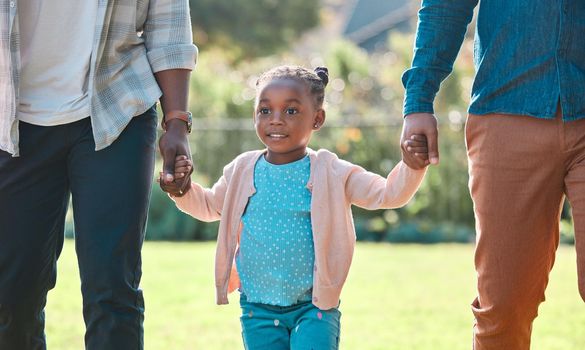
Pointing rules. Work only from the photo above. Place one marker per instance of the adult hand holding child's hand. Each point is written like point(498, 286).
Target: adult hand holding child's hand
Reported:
point(417, 126)
point(182, 177)
point(415, 152)
point(174, 144)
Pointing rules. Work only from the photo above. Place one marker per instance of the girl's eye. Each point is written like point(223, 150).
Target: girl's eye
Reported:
point(292, 111)
point(264, 111)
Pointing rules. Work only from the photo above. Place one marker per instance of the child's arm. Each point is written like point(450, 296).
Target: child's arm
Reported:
point(202, 203)
point(372, 191)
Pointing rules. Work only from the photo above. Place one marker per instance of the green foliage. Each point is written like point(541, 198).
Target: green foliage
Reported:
point(345, 59)
point(218, 91)
point(166, 222)
point(376, 229)
point(567, 232)
point(251, 28)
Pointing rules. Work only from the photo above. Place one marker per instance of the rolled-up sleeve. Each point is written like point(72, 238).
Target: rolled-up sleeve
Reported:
point(441, 29)
point(168, 36)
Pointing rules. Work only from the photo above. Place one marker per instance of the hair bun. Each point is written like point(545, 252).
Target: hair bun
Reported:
point(323, 73)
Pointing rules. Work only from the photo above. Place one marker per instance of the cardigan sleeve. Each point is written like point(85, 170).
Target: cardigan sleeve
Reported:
point(372, 191)
point(202, 203)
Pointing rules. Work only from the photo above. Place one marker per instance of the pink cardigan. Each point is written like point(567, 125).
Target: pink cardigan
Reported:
point(335, 185)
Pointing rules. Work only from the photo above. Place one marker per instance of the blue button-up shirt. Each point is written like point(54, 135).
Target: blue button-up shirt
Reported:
point(529, 55)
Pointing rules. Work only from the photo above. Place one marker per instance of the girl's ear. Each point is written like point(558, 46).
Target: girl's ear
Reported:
point(319, 119)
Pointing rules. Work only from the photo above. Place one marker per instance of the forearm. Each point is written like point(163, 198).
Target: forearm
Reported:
point(174, 84)
point(401, 185)
point(199, 202)
point(371, 191)
point(441, 28)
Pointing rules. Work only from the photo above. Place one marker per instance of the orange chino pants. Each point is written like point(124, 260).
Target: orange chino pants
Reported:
point(520, 170)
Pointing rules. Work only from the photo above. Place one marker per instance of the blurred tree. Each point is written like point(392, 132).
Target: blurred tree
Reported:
point(251, 28)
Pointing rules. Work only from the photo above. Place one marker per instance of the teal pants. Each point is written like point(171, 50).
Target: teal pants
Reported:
point(297, 327)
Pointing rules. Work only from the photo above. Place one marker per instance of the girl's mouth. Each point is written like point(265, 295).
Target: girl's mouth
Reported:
point(277, 136)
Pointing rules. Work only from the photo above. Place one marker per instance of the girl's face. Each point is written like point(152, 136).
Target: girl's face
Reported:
point(285, 118)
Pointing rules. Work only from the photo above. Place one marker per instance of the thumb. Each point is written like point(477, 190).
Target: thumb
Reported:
point(433, 145)
point(168, 166)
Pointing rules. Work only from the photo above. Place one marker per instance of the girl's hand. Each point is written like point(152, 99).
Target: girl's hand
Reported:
point(182, 177)
point(415, 152)
point(183, 167)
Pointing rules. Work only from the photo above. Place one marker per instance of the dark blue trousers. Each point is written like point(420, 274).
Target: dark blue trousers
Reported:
point(110, 191)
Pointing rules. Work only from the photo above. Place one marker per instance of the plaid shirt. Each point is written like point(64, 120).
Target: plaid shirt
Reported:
point(133, 40)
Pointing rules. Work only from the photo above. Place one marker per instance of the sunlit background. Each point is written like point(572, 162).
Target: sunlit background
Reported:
point(398, 296)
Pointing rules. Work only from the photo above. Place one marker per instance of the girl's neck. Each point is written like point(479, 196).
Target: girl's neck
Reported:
point(285, 158)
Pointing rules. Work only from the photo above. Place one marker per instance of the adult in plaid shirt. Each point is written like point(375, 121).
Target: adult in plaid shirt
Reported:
point(79, 81)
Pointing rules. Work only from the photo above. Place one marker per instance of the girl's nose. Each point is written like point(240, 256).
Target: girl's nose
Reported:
point(276, 118)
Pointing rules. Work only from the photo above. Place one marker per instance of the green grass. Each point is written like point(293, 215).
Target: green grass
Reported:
point(397, 297)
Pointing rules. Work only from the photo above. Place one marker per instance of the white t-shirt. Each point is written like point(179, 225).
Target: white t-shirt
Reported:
point(56, 40)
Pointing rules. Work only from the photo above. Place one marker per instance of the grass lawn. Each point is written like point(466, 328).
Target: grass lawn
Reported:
point(402, 297)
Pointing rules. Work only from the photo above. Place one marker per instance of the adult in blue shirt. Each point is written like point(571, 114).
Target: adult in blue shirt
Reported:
point(525, 141)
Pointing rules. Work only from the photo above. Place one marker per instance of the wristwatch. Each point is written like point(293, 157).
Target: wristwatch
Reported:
point(184, 116)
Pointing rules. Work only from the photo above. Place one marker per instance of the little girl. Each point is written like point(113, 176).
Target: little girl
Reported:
point(286, 234)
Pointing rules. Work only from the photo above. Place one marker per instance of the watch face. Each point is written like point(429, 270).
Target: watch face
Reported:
point(189, 121)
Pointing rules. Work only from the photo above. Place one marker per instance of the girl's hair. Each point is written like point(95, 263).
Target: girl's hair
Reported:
point(316, 80)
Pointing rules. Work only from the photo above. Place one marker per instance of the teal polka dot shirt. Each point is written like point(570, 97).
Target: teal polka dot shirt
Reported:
point(276, 255)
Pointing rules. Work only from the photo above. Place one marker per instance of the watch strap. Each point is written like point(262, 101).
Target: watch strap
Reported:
point(182, 115)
